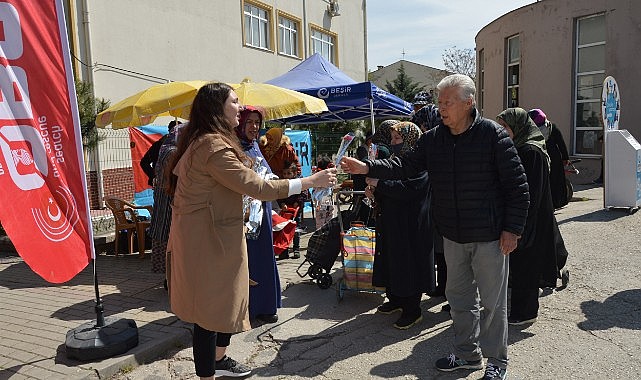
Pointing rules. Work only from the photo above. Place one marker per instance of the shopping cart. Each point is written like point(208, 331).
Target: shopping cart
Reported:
point(324, 247)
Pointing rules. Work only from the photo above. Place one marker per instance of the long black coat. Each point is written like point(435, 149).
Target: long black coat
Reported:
point(535, 258)
point(404, 262)
point(558, 152)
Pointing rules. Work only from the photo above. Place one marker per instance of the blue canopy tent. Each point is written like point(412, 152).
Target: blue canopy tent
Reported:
point(345, 99)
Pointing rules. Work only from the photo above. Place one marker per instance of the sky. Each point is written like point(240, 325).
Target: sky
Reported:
point(425, 28)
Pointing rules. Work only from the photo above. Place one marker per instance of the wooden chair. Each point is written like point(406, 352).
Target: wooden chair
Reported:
point(125, 219)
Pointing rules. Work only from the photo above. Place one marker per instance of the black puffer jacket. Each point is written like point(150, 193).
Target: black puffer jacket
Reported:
point(478, 183)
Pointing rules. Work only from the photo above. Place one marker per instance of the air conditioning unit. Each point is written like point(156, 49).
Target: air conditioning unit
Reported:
point(333, 8)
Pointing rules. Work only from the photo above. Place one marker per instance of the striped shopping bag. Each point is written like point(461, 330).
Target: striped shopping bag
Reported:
point(359, 243)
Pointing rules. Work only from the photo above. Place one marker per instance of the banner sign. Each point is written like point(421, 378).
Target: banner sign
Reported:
point(43, 202)
point(610, 104)
point(302, 142)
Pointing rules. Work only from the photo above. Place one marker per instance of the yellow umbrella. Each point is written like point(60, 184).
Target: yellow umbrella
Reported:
point(175, 99)
point(167, 99)
point(277, 102)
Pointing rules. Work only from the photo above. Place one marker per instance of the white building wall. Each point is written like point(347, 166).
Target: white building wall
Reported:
point(199, 39)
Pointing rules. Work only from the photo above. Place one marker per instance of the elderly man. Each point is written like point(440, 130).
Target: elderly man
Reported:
point(480, 201)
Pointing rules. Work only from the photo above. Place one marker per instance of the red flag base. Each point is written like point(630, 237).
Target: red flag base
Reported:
point(89, 342)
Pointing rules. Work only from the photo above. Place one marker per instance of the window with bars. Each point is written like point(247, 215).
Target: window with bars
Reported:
point(590, 73)
point(288, 36)
point(513, 60)
point(324, 43)
point(257, 25)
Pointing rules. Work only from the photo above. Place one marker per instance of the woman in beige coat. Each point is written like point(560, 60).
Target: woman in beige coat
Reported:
point(208, 275)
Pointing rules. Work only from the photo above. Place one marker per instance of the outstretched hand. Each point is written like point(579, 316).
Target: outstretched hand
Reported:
point(324, 178)
point(354, 166)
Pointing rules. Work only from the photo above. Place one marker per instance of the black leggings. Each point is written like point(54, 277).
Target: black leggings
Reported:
point(205, 343)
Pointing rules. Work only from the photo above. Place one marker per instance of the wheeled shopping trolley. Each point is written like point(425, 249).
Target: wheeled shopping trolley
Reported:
point(358, 250)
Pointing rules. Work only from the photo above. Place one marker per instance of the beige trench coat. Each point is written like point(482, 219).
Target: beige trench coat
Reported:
point(207, 254)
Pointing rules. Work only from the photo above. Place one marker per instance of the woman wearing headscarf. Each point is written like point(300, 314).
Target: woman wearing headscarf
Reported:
point(559, 157)
point(161, 217)
point(382, 138)
point(534, 259)
point(402, 264)
point(264, 296)
point(427, 117)
point(277, 149)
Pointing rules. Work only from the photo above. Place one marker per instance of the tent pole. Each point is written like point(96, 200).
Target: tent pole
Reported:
point(371, 114)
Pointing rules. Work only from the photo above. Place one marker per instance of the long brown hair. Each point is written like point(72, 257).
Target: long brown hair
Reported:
point(207, 117)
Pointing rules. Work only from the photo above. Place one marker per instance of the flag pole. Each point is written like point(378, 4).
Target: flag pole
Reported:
point(100, 317)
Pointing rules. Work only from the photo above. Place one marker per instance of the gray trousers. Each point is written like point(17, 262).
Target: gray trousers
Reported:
point(476, 290)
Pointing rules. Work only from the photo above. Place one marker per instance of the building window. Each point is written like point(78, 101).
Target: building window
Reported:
point(513, 62)
point(324, 43)
point(257, 25)
point(590, 73)
point(288, 35)
point(481, 81)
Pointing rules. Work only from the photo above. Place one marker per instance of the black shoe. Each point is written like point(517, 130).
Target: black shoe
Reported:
point(446, 307)
point(388, 308)
point(598, 181)
point(295, 254)
point(452, 363)
point(268, 318)
point(229, 367)
point(283, 255)
point(407, 321)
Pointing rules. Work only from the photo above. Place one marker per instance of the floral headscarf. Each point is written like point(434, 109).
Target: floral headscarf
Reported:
point(383, 134)
point(240, 129)
point(524, 129)
point(410, 133)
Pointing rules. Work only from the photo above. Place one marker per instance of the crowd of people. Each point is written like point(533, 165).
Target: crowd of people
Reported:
point(462, 206)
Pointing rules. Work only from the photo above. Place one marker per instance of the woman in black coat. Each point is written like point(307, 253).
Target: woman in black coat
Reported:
point(404, 261)
point(559, 157)
point(534, 259)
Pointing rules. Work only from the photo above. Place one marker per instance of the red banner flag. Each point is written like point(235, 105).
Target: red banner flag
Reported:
point(43, 201)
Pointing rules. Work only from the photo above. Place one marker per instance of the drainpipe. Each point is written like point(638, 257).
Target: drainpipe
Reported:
point(365, 41)
point(88, 59)
point(305, 29)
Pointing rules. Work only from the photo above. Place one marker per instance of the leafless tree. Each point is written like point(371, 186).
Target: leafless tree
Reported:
point(460, 61)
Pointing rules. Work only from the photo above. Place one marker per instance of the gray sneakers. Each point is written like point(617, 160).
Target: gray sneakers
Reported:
point(231, 368)
point(493, 372)
point(452, 363)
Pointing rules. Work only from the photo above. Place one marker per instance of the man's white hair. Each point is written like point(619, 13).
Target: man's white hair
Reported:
point(465, 84)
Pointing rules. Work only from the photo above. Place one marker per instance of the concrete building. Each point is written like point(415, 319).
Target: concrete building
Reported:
point(554, 55)
point(123, 46)
point(427, 76)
